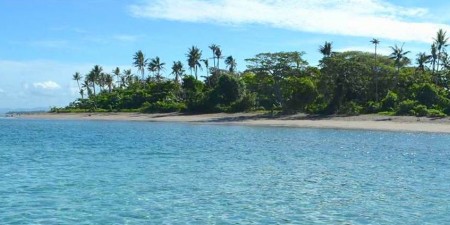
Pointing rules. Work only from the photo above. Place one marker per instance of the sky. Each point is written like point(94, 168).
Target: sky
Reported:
point(43, 43)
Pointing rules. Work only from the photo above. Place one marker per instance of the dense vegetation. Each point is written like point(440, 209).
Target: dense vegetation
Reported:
point(343, 83)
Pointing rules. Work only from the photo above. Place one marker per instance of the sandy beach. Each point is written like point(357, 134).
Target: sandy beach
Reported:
point(361, 122)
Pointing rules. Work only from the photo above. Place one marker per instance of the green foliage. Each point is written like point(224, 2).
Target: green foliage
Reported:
point(389, 103)
point(299, 92)
point(162, 107)
point(351, 109)
point(348, 83)
point(435, 113)
point(420, 110)
point(406, 108)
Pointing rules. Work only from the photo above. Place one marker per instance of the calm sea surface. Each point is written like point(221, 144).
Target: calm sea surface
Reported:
point(85, 172)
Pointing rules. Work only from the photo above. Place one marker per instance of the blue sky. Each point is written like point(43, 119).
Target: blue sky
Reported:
point(42, 43)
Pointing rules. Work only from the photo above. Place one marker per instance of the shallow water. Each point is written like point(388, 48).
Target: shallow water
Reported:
point(94, 172)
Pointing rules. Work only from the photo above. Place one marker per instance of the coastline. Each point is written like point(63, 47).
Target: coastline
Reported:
point(361, 122)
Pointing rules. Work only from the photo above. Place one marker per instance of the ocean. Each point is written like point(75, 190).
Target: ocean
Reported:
point(112, 172)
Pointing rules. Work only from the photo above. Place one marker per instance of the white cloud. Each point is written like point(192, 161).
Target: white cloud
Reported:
point(48, 85)
point(363, 18)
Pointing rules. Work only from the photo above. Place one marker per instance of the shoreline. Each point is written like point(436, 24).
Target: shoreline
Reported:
point(362, 122)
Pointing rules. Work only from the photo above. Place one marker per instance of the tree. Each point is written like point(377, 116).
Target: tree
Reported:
point(231, 64)
point(194, 55)
point(77, 77)
point(213, 48)
point(109, 82)
point(116, 72)
point(157, 66)
point(218, 54)
point(376, 42)
point(441, 42)
point(421, 60)
point(177, 70)
point(94, 76)
point(400, 59)
point(326, 49)
point(140, 62)
point(206, 62)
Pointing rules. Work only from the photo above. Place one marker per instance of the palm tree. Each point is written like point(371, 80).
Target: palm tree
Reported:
point(140, 62)
point(206, 62)
point(434, 57)
point(213, 48)
point(155, 65)
point(326, 49)
point(441, 43)
point(77, 77)
point(116, 72)
point(218, 54)
point(421, 60)
point(194, 55)
point(177, 70)
point(109, 82)
point(400, 59)
point(399, 56)
point(376, 42)
point(231, 63)
point(94, 76)
point(86, 85)
point(126, 77)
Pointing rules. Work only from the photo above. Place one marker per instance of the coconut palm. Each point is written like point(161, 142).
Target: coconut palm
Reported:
point(231, 63)
point(441, 42)
point(213, 48)
point(218, 54)
point(206, 63)
point(421, 60)
point(116, 72)
point(140, 62)
point(109, 82)
point(177, 70)
point(434, 57)
point(77, 77)
point(86, 85)
point(376, 42)
point(326, 49)
point(155, 65)
point(194, 55)
point(94, 76)
point(399, 56)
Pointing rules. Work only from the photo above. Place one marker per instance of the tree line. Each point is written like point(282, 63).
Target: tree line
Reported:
point(350, 82)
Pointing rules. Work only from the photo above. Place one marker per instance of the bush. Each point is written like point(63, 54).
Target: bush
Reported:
point(420, 110)
point(373, 107)
point(350, 108)
point(162, 107)
point(406, 108)
point(389, 103)
point(246, 103)
point(435, 113)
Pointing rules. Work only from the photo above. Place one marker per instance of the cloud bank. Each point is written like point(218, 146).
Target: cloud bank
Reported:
point(47, 85)
point(360, 18)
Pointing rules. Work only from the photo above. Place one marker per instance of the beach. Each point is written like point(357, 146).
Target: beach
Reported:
point(362, 122)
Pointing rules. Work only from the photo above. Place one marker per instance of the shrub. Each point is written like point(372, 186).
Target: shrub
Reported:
point(350, 108)
point(162, 107)
point(389, 102)
point(435, 113)
point(373, 107)
point(420, 110)
point(406, 108)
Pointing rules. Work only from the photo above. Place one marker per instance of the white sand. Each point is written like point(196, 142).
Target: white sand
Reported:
point(364, 122)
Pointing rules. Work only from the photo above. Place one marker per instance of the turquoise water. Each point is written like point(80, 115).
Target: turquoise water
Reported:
point(84, 172)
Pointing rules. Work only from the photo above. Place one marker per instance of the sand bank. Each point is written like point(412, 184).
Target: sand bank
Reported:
point(364, 122)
